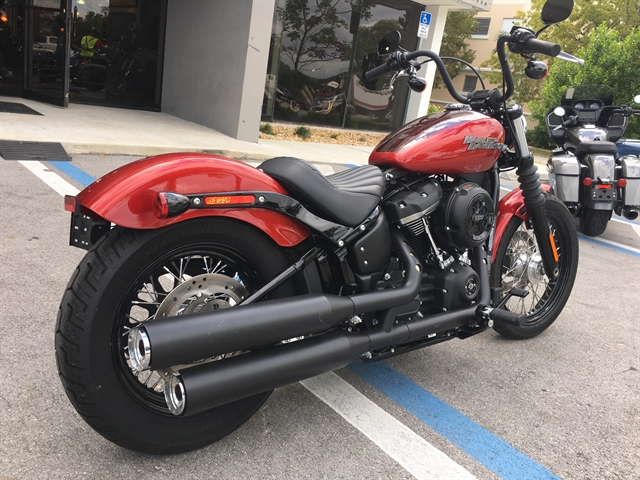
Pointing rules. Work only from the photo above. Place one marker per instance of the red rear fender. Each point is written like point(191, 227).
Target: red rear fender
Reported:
point(126, 195)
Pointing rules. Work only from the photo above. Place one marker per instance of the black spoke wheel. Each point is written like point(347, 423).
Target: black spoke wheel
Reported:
point(518, 264)
point(132, 277)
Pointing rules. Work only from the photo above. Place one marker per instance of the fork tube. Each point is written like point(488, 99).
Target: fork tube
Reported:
point(534, 198)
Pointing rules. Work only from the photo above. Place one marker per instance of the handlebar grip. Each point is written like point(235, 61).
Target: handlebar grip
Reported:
point(545, 48)
point(378, 71)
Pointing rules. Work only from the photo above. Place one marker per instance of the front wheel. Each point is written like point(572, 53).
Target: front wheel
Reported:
point(518, 264)
point(123, 282)
point(594, 222)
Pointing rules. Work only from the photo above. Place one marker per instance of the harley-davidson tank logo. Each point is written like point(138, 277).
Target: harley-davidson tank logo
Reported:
point(482, 143)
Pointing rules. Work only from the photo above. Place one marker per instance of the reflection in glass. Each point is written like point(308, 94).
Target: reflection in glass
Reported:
point(318, 53)
point(115, 52)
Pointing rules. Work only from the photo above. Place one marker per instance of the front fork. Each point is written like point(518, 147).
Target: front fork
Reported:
point(534, 198)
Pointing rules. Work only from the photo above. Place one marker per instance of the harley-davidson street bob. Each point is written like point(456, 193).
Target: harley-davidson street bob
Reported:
point(586, 171)
point(208, 283)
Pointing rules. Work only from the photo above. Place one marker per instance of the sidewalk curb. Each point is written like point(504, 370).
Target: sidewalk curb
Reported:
point(149, 150)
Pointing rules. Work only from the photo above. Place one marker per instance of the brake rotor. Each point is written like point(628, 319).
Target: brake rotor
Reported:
point(204, 293)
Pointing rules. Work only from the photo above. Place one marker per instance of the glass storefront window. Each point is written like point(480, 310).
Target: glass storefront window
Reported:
point(116, 50)
point(317, 54)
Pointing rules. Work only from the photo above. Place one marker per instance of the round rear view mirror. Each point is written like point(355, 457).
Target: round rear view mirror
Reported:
point(559, 111)
point(389, 43)
point(555, 11)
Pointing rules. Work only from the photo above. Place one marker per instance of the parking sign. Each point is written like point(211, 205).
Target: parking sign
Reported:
point(425, 21)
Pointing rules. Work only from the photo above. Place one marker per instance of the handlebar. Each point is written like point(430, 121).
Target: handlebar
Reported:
point(520, 40)
point(377, 72)
point(571, 121)
point(540, 46)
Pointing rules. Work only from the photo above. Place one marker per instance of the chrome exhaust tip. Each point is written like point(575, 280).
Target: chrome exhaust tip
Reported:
point(139, 349)
point(174, 394)
point(630, 213)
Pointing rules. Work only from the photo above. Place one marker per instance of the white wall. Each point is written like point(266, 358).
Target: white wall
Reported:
point(215, 62)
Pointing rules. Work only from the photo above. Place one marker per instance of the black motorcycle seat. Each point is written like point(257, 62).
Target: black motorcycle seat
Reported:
point(604, 148)
point(347, 197)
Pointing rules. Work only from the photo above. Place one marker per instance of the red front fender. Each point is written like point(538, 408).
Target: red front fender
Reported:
point(126, 195)
point(511, 204)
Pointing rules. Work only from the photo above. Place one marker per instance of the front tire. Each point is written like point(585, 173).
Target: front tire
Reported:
point(122, 282)
point(518, 264)
point(594, 222)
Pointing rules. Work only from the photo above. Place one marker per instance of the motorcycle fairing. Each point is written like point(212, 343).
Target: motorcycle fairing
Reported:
point(126, 195)
point(510, 205)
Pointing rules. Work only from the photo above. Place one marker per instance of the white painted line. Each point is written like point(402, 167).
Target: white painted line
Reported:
point(410, 450)
point(635, 226)
point(50, 178)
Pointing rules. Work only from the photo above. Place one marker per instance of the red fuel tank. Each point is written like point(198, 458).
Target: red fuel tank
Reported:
point(448, 142)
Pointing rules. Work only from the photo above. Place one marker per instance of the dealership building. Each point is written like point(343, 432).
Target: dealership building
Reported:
point(224, 64)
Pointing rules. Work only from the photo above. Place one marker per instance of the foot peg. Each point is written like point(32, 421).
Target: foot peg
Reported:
point(499, 315)
point(505, 316)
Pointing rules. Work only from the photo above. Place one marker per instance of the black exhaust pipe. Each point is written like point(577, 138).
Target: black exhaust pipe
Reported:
point(213, 384)
point(178, 340)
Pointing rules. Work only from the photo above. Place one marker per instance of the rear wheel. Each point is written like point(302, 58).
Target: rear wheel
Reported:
point(518, 264)
point(594, 222)
point(123, 282)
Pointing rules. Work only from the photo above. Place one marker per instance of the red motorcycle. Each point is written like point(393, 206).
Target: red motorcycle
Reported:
point(208, 283)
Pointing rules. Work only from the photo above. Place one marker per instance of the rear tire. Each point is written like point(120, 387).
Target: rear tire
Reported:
point(518, 264)
point(594, 222)
point(120, 283)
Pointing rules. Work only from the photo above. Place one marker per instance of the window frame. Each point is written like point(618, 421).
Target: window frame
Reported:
point(481, 21)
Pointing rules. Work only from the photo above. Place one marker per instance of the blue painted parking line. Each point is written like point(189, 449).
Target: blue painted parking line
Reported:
point(613, 245)
point(80, 176)
point(488, 449)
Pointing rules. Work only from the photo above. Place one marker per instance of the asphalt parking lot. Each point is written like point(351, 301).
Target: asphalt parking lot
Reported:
point(565, 404)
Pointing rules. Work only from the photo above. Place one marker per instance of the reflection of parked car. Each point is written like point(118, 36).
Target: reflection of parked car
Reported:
point(45, 44)
point(628, 146)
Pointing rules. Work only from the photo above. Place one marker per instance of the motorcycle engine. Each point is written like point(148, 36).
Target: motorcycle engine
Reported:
point(441, 222)
point(465, 217)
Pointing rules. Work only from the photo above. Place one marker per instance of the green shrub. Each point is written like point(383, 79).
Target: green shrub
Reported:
point(303, 132)
point(267, 129)
point(539, 137)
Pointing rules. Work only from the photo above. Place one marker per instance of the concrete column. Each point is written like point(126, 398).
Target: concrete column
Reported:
point(419, 102)
point(215, 63)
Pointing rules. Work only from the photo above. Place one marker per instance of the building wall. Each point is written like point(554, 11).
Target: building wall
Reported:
point(215, 58)
point(485, 45)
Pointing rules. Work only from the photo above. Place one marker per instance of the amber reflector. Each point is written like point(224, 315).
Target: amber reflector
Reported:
point(554, 249)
